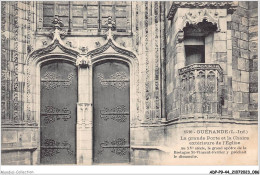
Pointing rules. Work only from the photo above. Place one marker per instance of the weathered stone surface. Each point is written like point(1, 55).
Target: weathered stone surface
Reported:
point(236, 75)
point(243, 44)
point(244, 114)
point(253, 29)
point(245, 98)
point(243, 4)
point(244, 76)
point(244, 21)
point(244, 36)
point(253, 98)
point(253, 22)
point(252, 5)
point(220, 46)
point(253, 87)
point(253, 76)
point(243, 87)
point(237, 97)
point(241, 64)
point(253, 46)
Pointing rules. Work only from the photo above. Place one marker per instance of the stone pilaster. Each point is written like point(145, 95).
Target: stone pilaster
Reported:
point(84, 133)
point(84, 112)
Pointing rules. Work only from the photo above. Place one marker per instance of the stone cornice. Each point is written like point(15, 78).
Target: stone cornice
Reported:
point(230, 6)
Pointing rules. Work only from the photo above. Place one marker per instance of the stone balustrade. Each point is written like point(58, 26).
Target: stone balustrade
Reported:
point(200, 91)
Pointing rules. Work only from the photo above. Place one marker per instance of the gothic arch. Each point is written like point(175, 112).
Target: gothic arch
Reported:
point(111, 51)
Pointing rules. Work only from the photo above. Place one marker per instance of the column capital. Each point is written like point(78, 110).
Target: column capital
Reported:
point(83, 61)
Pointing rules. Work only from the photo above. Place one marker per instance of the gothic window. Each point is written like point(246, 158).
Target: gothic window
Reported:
point(85, 16)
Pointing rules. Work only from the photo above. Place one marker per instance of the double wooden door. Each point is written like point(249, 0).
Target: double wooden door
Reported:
point(111, 112)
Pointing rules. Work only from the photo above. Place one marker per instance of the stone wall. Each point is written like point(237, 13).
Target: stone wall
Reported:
point(19, 133)
point(243, 27)
point(253, 58)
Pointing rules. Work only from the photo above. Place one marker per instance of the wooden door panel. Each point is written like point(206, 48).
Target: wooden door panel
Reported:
point(111, 112)
point(58, 113)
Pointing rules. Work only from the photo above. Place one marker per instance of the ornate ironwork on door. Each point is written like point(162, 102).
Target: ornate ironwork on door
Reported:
point(111, 101)
point(58, 113)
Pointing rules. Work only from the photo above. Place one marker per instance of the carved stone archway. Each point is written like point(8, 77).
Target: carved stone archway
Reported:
point(58, 51)
point(55, 51)
point(109, 51)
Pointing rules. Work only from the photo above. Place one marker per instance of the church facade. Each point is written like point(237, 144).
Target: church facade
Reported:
point(120, 82)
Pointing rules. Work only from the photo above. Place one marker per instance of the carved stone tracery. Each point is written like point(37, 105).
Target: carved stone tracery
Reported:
point(195, 18)
point(199, 97)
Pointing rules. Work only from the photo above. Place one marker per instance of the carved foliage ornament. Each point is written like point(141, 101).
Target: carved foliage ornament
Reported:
point(83, 61)
point(203, 15)
point(230, 6)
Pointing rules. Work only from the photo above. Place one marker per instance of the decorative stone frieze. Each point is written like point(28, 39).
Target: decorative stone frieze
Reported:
point(199, 16)
point(195, 17)
point(230, 6)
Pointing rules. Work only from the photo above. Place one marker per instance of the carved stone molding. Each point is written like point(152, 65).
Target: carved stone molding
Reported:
point(110, 43)
point(202, 66)
point(195, 17)
point(50, 48)
point(56, 34)
point(230, 6)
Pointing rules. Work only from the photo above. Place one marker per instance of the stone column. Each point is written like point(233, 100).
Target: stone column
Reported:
point(84, 112)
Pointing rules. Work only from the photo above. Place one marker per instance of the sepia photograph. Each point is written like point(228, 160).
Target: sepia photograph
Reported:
point(129, 83)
